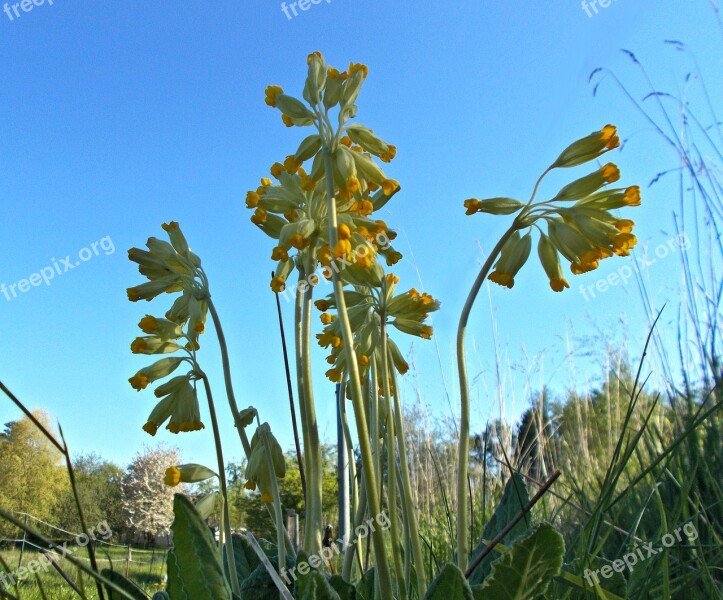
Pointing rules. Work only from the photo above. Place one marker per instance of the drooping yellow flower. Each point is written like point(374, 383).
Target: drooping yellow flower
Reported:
point(279, 253)
point(278, 284)
point(322, 305)
point(504, 279)
point(625, 225)
point(342, 248)
point(334, 375)
point(252, 200)
point(139, 381)
point(623, 243)
point(390, 186)
point(291, 165)
point(276, 170)
point(172, 477)
point(259, 216)
point(271, 93)
point(343, 232)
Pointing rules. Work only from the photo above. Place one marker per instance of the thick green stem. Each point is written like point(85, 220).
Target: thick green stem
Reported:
point(463, 449)
point(392, 472)
point(222, 485)
point(382, 566)
point(410, 512)
point(353, 548)
point(314, 484)
point(298, 339)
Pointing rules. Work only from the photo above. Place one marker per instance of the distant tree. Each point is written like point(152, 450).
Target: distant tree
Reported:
point(99, 484)
point(32, 475)
point(147, 503)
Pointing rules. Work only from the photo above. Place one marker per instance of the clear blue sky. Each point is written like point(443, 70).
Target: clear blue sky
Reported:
point(118, 116)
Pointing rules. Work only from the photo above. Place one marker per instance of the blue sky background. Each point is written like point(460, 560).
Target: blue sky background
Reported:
point(116, 117)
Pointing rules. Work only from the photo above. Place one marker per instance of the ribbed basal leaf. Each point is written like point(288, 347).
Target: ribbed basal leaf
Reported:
point(244, 556)
point(260, 586)
point(194, 568)
point(524, 572)
point(313, 585)
point(513, 499)
point(365, 587)
point(345, 590)
point(449, 584)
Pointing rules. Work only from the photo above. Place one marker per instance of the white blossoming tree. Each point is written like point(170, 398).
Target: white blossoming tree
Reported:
point(147, 501)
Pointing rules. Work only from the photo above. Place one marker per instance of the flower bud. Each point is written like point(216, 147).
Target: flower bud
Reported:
point(589, 184)
point(588, 148)
point(156, 371)
point(493, 206)
point(308, 148)
point(551, 263)
point(189, 473)
point(294, 109)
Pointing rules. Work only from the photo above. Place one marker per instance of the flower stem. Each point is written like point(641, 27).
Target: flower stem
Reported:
point(356, 391)
point(222, 484)
point(392, 470)
point(314, 485)
point(227, 377)
point(463, 448)
point(411, 517)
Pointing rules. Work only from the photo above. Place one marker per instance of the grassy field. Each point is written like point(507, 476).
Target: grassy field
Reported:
point(146, 569)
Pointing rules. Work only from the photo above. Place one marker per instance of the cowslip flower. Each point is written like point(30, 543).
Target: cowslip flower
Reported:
point(294, 211)
point(580, 227)
point(368, 309)
point(171, 267)
point(188, 473)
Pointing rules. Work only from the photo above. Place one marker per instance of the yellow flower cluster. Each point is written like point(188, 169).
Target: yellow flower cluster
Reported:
point(368, 308)
point(580, 226)
point(170, 267)
point(293, 209)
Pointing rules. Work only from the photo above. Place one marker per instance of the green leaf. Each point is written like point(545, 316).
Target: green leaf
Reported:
point(513, 499)
point(365, 587)
point(260, 586)
point(312, 585)
point(161, 596)
point(524, 572)
point(449, 584)
point(244, 556)
point(124, 584)
point(345, 590)
point(194, 568)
